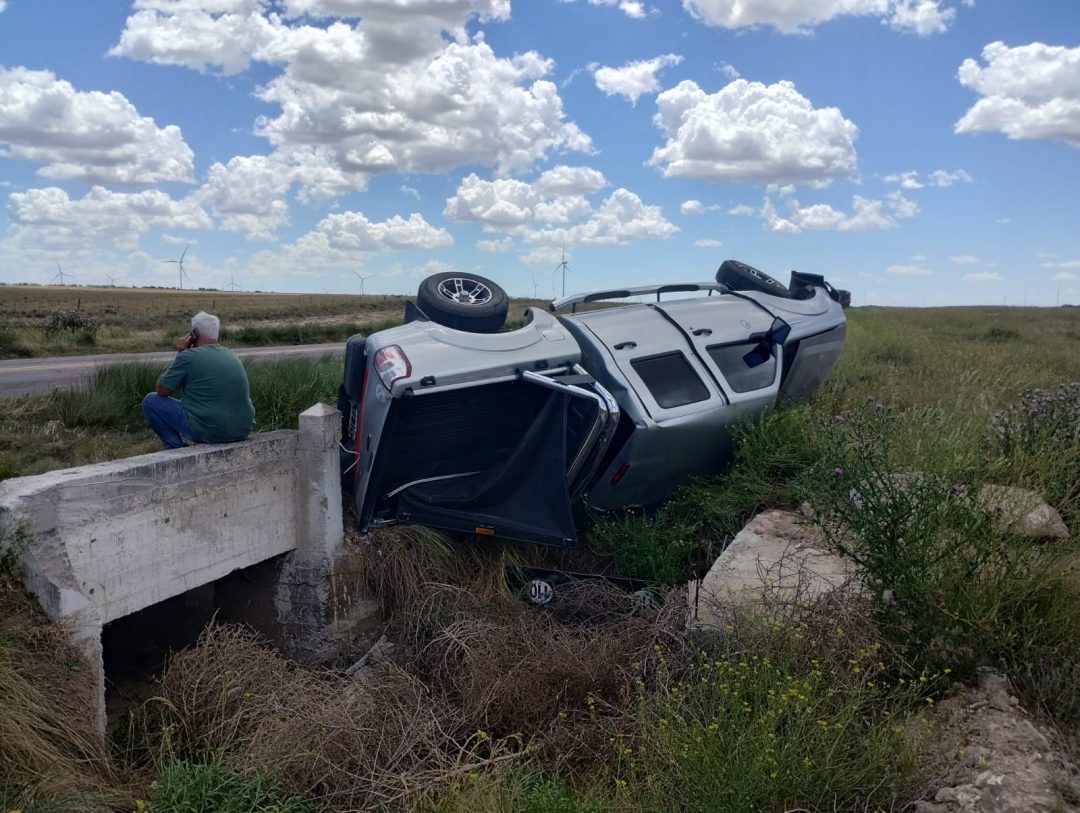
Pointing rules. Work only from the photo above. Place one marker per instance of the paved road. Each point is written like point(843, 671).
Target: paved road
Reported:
point(33, 376)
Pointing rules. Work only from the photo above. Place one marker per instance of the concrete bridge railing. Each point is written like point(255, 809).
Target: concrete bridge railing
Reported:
point(110, 539)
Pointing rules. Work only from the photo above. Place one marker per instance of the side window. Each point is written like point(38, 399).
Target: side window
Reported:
point(670, 379)
point(740, 376)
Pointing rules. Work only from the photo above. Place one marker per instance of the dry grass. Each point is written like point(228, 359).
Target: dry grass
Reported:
point(479, 679)
point(50, 755)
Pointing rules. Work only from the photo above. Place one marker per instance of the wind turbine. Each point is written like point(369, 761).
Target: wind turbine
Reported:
point(60, 274)
point(111, 279)
point(362, 278)
point(232, 286)
point(565, 266)
point(180, 263)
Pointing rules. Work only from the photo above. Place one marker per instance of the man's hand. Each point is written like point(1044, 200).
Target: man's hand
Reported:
point(184, 342)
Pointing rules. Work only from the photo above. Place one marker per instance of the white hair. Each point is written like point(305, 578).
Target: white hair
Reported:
point(206, 324)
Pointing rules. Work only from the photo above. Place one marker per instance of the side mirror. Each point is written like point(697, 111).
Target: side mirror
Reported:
point(777, 333)
point(413, 313)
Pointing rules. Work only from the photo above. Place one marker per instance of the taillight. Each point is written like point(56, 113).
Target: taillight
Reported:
point(391, 363)
point(620, 473)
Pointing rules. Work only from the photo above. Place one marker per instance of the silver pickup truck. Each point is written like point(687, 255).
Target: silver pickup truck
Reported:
point(450, 423)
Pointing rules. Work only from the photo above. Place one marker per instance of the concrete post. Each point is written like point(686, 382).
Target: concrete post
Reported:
point(304, 595)
point(321, 531)
point(86, 638)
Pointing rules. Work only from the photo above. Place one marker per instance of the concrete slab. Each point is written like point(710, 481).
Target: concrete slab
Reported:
point(778, 559)
point(111, 539)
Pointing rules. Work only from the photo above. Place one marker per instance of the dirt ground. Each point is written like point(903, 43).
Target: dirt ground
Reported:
point(995, 757)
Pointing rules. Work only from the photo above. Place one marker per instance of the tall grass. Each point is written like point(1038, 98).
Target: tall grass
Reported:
point(281, 390)
point(111, 400)
point(103, 420)
point(50, 756)
point(670, 544)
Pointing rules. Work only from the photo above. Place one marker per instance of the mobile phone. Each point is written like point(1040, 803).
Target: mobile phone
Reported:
point(193, 337)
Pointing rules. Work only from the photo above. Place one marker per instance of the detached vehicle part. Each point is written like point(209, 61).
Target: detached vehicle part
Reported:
point(450, 424)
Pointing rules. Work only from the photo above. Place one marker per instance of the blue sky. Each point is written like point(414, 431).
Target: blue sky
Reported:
point(917, 152)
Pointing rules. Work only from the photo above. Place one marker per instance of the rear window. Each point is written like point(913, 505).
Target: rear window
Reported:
point(739, 376)
point(670, 379)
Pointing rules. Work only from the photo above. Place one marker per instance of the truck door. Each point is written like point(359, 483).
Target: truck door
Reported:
point(719, 329)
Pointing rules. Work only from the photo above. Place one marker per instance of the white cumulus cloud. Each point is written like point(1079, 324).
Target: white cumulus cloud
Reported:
point(707, 244)
point(621, 219)
point(866, 214)
point(386, 91)
point(909, 271)
point(499, 246)
point(85, 136)
point(965, 259)
point(939, 177)
point(944, 178)
point(343, 240)
point(923, 17)
point(566, 180)
point(634, 79)
point(1030, 91)
point(48, 218)
point(631, 8)
point(247, 195)
point(751, 131)
point(982, 276)
point(505, 203)
point(543, 213)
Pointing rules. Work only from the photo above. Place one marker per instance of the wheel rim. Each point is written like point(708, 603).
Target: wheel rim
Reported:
point(464, 291)
point(765, 278)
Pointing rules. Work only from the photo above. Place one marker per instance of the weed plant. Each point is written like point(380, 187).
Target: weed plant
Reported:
point(954, 589)
point(1036, 441)
point(210, 787)
point(773, 455)
point(11, 345)
point(743, 733)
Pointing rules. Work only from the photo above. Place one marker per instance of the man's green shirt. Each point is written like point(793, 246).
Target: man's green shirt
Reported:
point(216, 396)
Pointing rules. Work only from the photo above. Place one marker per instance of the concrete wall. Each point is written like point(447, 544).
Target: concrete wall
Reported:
point(113, 538)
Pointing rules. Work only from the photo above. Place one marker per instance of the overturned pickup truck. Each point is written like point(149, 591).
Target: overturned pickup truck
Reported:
point(449, 423)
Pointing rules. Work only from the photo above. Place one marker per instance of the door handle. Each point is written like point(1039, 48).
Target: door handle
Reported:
point(626, 345)
point(703, 331)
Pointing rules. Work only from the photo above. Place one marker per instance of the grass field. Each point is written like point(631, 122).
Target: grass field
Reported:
point(143, 319)
point(603, 706)
point(133, 320)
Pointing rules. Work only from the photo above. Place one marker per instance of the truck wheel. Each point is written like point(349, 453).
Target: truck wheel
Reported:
point(742, 277)
point(463, 302)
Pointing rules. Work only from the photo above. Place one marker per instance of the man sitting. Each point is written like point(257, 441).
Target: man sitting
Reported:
point(216, 404)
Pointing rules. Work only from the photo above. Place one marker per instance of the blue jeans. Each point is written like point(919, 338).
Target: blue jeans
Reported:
point(167, 418)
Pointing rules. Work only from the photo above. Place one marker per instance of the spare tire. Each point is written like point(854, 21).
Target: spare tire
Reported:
point(742, 277)
point(463, 302)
